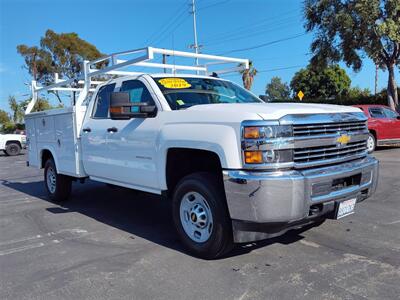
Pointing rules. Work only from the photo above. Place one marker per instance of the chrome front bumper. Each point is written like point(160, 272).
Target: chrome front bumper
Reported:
point(290, 197)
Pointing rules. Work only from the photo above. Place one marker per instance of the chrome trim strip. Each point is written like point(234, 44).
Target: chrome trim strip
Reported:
point(329, 161)
point(309, 119)
point(324, 140)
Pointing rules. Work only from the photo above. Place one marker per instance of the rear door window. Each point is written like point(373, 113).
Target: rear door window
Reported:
point(102, 103)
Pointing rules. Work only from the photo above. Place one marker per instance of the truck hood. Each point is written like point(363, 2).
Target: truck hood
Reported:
point(274, 111)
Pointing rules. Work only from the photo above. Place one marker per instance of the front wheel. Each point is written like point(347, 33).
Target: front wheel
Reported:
point(201, 216)
point(58, 186)
point(13, 149)
point(371, 143)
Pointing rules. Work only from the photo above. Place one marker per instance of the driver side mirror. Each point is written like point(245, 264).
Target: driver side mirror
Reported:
point(398, 117)
point(121, 107)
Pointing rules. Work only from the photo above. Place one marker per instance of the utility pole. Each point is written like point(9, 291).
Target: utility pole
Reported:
point(376, 78)
point(195, 45)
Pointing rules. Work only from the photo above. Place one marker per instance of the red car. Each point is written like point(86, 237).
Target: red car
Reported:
point(383, 125)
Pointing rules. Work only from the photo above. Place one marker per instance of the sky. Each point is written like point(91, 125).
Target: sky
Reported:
point(272, 28)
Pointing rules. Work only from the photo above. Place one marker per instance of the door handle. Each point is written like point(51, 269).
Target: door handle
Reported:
point(112, 129)
point(87, 129)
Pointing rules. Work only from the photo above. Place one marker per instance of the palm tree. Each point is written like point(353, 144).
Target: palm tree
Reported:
point(16, 108)
point(248, 75)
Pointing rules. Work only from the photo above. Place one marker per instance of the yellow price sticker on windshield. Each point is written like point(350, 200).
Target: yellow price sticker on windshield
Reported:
point(175, 83)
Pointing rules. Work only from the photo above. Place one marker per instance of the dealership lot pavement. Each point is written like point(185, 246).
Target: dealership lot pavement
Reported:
point(109, 243)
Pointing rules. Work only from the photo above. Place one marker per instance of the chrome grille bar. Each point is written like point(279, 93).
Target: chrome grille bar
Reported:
point(329, 152)
point(328, 128)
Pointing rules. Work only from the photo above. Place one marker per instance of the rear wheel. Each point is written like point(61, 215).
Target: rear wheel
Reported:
point(58, 186)
point(201, 216)
point(371, 143)
point(13, 149)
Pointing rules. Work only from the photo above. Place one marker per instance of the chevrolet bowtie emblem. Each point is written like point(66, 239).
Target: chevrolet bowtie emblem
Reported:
point(343, 139)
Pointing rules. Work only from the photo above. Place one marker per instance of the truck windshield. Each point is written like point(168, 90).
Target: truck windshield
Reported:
point(185, 92)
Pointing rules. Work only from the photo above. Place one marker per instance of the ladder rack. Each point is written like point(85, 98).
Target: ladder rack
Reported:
point(144, 58)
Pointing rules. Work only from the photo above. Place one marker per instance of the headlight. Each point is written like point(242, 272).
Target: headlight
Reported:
point(268, 156)
point(267, 132)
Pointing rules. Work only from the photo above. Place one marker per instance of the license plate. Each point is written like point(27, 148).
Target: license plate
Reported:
point(346, 208)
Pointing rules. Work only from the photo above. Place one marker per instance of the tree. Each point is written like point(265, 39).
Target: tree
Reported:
point(329, 82)
point(17, 111)
point(348, 30)
point(357, 92)
point(58, 53)
point(4, 117)
point(248, 75)
point(6, 124)
point(41, 104)
point(277, 89)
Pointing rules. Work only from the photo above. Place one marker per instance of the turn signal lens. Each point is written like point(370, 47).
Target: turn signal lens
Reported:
point(251, 132)
point(253, 157)
point(116, 109)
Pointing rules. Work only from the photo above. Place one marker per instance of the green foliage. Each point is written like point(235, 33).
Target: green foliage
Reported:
point(357, 92)
point(379, 99)
point(58, 53)
point(329, 82)
point(277, 89)
point(4, 117)
point(349, 30)
point(6, 124)
point(17, 110)
point(41, 104)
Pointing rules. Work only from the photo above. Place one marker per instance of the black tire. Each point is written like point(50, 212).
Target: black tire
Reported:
point(371, 143)
point(13, 149)
point(220, 240)
point(61, 189)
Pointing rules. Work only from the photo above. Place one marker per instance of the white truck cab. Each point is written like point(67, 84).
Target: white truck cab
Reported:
point(12, 144)
point(235, 169)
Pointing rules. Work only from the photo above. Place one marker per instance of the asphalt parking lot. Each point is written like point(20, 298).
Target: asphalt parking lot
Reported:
point(110, 243)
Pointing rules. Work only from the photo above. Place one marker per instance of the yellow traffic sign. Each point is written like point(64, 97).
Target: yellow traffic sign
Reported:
point(300, 95)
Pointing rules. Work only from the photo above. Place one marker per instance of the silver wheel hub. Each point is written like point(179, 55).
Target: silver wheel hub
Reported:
point(370, 143)
point(51, 180)
point(196, 217)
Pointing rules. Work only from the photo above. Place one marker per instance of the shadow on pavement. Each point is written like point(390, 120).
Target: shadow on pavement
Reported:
point(140, 214)
point(385, 148)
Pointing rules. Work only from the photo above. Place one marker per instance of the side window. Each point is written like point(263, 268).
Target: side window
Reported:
point(377, 112)
point(103, 101)
point(390, 113)
point(137, 91)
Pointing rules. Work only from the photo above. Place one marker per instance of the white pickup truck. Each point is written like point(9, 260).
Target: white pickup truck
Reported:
point(235, 169)
point(12, 144)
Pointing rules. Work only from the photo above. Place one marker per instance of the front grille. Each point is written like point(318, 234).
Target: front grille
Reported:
point(331, 152)
point(300, 130)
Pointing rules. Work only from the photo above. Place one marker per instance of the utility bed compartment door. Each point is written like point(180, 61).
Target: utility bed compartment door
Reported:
point(55, 131)
point(65, 144)
point(31, 139)
point(45, 128)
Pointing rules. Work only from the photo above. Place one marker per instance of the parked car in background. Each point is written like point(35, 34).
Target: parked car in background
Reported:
point(12, 144)
point(383, 125)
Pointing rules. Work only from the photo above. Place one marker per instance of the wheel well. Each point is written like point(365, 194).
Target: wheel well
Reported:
point(46, 154)
point(183, 161)
point(14, 142)
point(373, 132)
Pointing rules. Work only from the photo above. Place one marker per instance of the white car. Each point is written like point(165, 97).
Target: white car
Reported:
point(235, 169)
point(11, 144)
